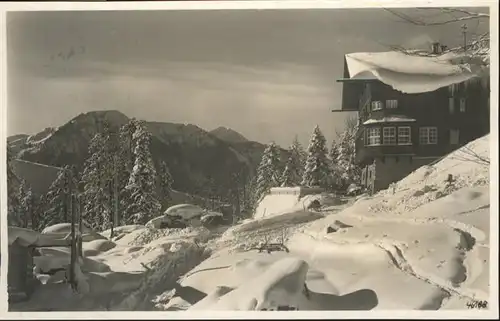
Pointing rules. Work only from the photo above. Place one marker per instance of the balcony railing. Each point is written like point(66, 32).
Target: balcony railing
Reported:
point(364, 152)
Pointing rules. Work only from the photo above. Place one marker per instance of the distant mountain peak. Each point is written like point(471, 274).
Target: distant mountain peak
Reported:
point(228, 135)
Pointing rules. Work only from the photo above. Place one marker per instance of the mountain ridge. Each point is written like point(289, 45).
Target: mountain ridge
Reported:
point(199, 161)
point(228, 134)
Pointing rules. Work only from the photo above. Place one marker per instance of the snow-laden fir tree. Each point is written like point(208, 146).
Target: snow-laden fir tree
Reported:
point(269, 171)
point(13, 217)
point(39, 210)
point(165, 181)
point(294, 168)
point(57, 198)
point(109, 173)
point(238, 193)
point(144, 201)
point(346, 152)
point(335, 172)
point(249, 200)
point(125, 164)
point(26, 205)
point(298, 149)
point(95, 193)
point(101, 169)
point(317, 169)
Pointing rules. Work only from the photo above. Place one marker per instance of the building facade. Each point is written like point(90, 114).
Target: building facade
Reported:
point(399, 132)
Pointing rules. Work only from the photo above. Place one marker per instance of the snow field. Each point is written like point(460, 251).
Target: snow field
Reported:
point(424, 247)
point(414, 249)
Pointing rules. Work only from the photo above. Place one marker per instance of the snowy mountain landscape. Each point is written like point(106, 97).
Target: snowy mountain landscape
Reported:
point(349, 254)
point(191, 152)
point(199, 171)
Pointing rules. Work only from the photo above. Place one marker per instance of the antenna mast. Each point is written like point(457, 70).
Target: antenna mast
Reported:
point(464, 32)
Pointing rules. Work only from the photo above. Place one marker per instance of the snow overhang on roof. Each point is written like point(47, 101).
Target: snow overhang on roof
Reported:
point(394, 119)
point(408, 73)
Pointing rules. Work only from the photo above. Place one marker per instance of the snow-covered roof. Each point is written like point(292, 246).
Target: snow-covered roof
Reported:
point(408, 73)
point(390, 119)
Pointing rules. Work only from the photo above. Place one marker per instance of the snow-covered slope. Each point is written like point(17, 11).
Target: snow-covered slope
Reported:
point(423, 246)
point(406, 250)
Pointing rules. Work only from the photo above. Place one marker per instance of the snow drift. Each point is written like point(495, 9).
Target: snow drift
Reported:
point(368, 255)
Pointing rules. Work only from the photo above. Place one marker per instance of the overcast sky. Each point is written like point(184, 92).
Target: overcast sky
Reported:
point(267, 74)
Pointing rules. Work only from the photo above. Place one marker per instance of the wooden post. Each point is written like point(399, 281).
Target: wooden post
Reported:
point(72, 276)
point(116, 218)
point(80, 225)
point(78, 205)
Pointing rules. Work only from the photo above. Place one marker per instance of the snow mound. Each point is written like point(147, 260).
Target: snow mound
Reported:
point(162, 275)
point(186, 211)
point(141, 237)
point(156, 222)
point(62, 228)
point(96, 247)
point(468, 165)
point(258, 281)
point(433, 235)
point(275, 204)
point(408, 73)
point(125, 229)
point(280, 285)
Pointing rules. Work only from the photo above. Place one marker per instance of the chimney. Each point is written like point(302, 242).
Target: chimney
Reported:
point(435, 48)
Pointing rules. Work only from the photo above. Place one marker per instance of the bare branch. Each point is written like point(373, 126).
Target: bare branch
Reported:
point(467, 154)
point(469, 15)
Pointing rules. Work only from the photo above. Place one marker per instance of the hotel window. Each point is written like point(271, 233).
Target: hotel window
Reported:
point(389, 136)
point(451, 105)
point(376, 105)
point(373, 136)
point(391, 103)
point(404, 135)
point(454, 136)
point(462, 105)
point(428, 135)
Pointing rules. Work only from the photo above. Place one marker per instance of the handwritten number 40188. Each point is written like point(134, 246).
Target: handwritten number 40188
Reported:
point(477, 304)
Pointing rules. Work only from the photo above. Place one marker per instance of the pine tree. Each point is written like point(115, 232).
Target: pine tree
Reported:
point(13, 217)
point(57, 201)
point(99, 178)
point(316, 171)
point(292, 175)
point(346, 153)
point(300, 153)
point(249, 200)
point(26, 205)
point(109, 170)
point(125, 166)
point(238, 192)
point(94, 186)
point(268, 172)
point(145, 204)
point(39, 209)
point(165, 181)
point(335, 173)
